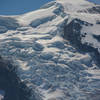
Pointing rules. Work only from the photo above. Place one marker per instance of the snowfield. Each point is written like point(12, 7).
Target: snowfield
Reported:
point(56, 49)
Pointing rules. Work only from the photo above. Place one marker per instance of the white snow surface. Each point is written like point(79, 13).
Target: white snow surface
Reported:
point(74, 6)
point(2, 93)
point(46, 62)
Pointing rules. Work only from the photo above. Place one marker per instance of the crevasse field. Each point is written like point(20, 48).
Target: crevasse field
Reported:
point(56, 49)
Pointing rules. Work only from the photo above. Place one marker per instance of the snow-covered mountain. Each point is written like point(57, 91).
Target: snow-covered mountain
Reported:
point(56, 49)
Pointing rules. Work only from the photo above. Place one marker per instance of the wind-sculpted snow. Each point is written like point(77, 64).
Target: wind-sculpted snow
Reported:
point(50, 4)
point(3, 29)
point(37, 22)
point(53, 50)
point(7, 23)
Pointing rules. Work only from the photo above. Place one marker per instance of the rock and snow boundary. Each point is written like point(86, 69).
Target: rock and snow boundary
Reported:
point(57, 68)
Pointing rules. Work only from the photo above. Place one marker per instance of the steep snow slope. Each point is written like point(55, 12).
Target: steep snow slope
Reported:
point(56, 48)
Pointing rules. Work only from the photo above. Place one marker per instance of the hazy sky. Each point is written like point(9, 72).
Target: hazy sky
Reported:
point(20, 6)
point(13, 7)
point(95, 1)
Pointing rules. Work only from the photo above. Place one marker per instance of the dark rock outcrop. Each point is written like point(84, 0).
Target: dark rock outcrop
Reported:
point(93, 10)
point(72, 32)
point(11, 84)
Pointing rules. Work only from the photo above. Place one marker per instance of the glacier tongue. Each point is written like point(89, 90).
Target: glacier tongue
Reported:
point(55, 67)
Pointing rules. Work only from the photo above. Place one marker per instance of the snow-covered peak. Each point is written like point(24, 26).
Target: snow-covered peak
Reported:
point(47, 46)
point(75, 5)
point(54, 8)
point(73, 2)
point(34, 15)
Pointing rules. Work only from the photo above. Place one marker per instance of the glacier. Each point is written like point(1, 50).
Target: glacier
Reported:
point(56, 49)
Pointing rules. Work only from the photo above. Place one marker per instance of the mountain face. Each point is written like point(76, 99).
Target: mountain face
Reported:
point(56, 49)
